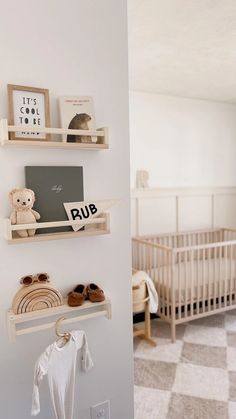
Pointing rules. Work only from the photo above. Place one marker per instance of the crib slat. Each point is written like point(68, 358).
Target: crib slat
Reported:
point(152, 263)
point(234, 275)
point(220, 275)
point(197, 238)
point(156, 265)
point(189, 241)
point(162, 281)
point(232, 293)
point(203, 280)
point(136, 247)
point(192, 279)
point(163, 290)
point(139, 257)
point(185, 284)
point(149, 261)
point(168, 283)
point(198, 274)
point(133, 255)
point(145, 255)
point(215, 270)
point(161, 252)
point(142, 257)
point(208, 278)
point(231, 274)
point(234, 271)
point(179, 285)
point(203, 241)
point(226, 280)
point(172, 256)
point(208, 239)
point(136, 258)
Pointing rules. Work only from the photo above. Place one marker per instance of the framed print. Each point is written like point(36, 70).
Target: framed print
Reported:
point(28, 106)
point(77, 113)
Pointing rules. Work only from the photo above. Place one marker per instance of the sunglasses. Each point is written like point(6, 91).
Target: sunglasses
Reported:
point(31, 279)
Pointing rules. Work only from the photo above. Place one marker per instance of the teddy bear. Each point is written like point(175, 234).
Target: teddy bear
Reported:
point(22, 201)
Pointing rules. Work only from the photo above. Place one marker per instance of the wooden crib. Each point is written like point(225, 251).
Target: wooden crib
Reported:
point(194, 272)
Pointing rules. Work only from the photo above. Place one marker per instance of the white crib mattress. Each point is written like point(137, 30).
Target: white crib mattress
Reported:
point(199, 280)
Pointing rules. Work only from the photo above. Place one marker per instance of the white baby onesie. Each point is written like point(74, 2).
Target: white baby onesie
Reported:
point(59, 363)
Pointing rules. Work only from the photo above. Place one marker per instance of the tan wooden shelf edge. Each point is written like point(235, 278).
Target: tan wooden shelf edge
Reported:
point(101, 133)
point(85, 312)
point(93, 227)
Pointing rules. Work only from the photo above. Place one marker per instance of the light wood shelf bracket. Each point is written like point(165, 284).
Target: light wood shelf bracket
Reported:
point(93, 227)
point(102, 135)
point(17, 323)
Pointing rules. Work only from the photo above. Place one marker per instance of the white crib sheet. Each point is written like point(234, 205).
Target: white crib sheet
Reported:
point(208, 281)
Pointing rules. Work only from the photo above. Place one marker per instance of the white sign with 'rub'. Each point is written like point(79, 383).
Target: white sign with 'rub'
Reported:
point(83, 211)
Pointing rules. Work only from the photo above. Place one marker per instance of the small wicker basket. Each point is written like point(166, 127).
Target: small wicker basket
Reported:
point(140, 297)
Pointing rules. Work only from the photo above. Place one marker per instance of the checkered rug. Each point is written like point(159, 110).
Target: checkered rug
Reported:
point(194, 378)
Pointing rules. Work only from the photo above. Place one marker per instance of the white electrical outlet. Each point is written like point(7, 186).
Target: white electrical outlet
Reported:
point(101, 410)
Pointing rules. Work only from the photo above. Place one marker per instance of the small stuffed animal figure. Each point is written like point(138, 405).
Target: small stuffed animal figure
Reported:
point(142, 177)
point(22, 201)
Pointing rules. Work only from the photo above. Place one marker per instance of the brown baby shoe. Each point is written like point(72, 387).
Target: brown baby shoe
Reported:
point(94, 293)
point(77, 296)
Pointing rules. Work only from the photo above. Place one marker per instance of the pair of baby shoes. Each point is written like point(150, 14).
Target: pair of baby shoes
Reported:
point(81, 293)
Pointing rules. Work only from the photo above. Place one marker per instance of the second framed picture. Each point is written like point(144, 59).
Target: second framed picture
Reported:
point(28, 107)
point(77, 112)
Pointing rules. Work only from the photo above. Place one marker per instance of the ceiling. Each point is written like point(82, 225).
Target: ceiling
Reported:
point(183, 48)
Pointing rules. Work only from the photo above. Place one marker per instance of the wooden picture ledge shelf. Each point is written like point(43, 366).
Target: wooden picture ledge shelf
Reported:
point(17, 322)
point(93, 227)
point(101, 134)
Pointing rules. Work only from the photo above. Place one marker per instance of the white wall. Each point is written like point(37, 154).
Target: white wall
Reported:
point(72, 48)
point(182, 142)
point(162, 210)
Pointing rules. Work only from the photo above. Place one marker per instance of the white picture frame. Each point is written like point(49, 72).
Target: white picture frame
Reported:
point(29, 107)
